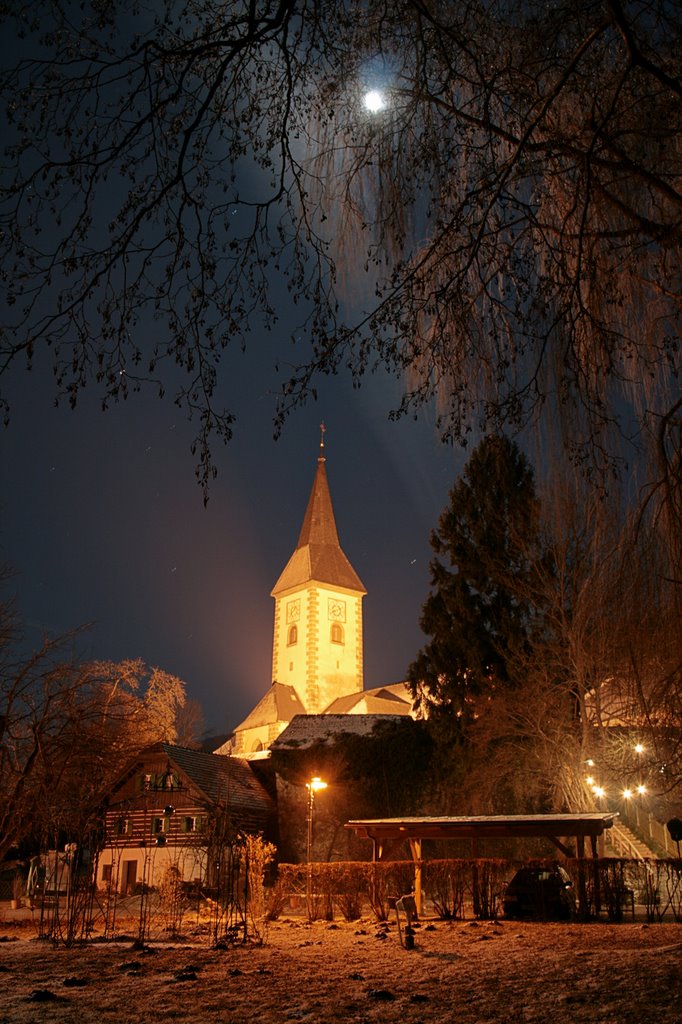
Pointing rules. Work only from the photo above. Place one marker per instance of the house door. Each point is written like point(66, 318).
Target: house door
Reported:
point(129, 877)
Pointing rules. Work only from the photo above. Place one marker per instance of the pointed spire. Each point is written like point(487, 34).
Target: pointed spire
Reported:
point(319, 524)
point(318, 555)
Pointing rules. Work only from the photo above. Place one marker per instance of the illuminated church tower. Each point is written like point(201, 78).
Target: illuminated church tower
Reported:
point(317, 658)
point(317, 645)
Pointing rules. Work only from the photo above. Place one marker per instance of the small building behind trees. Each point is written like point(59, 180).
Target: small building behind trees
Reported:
point(176, 807)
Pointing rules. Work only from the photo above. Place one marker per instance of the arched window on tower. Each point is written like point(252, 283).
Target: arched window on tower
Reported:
point(337, 633)
point(292, 635)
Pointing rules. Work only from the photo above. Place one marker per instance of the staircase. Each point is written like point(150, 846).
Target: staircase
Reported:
point(620, 841)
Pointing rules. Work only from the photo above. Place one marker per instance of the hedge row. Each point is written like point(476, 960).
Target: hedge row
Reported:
point(609, 886)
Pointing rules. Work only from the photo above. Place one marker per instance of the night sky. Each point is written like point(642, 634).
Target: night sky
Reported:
point(104, 523)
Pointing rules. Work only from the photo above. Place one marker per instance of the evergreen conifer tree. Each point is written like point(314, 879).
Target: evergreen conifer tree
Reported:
point(478, 611)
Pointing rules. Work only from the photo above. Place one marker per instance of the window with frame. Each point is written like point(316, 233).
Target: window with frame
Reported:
point(337, 636)
point(193, 823)
point(292, 635)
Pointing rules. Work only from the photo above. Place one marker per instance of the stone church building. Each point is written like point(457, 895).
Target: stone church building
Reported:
point(170, 802)
point(317, 648)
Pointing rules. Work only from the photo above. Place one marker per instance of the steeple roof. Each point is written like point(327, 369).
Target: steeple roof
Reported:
point(318, 555)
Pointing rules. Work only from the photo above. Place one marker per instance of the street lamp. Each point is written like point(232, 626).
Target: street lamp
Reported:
point(313, 787)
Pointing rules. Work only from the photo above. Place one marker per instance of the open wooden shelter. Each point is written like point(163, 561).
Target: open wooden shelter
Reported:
point(386, 832)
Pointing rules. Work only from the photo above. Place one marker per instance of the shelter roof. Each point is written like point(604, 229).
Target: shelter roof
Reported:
point(485, 826)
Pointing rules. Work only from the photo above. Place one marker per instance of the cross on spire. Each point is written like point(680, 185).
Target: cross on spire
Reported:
point(323, 431)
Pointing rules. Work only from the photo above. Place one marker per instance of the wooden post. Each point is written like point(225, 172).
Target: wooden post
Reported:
point(474, 878)
point(416, 851)
point(582, 882)
point(595, 875)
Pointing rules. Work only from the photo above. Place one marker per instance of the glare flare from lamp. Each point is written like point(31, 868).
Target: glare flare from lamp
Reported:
point(316, 784)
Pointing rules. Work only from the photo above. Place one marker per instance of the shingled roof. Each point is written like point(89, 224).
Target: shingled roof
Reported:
point(304, 730)
point(383, 700)
point(318, 555)
point(279, 704)
point(219, 778)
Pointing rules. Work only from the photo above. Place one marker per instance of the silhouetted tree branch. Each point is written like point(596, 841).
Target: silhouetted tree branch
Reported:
point(508, 226)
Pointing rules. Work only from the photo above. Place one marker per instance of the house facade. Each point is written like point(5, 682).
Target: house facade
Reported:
point(170, 808)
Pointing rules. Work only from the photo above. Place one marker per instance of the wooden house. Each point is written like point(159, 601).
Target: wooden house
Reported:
point(176, 807)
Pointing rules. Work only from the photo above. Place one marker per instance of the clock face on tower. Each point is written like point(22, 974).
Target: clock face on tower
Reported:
point(337, 610)
point(293, 611)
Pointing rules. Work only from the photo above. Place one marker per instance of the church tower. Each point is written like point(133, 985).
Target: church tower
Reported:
point(317, 644)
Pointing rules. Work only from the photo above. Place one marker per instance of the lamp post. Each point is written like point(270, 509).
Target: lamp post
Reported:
point(313, 787)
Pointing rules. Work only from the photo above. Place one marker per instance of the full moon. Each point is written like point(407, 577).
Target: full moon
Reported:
point(374, 101)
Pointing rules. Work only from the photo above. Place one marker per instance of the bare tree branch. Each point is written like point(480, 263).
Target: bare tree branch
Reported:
point(508, 227)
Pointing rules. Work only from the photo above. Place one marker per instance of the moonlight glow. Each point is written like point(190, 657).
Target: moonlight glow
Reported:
point(374, 101)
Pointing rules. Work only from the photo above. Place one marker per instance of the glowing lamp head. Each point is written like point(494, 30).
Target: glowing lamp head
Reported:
point(374, 101)
point(316, 784)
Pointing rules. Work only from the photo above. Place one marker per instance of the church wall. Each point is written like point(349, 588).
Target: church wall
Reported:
point(317, 645)
point(339, 655)
point(290, 656)
point(332, 808)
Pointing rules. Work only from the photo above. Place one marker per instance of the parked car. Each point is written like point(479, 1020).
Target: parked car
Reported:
point(541, 893)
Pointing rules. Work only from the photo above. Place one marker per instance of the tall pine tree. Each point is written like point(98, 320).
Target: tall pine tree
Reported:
point(478, 613)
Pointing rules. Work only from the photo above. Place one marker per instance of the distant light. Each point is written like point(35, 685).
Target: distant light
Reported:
point(599, 791)
point(641, 790)
point(627, 793)
point(589, 780)
point(374, 101)
point(639, 748)
point(589, 763)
